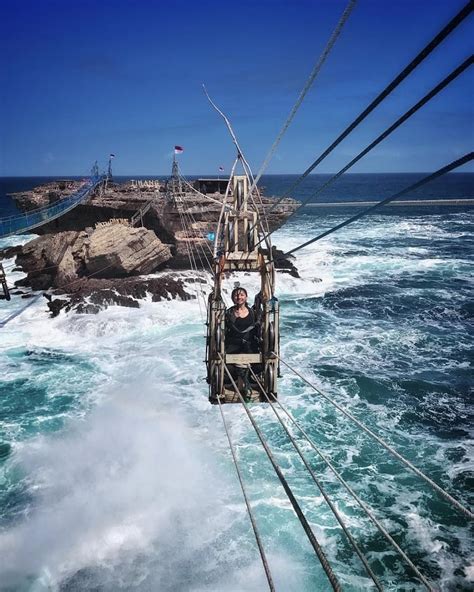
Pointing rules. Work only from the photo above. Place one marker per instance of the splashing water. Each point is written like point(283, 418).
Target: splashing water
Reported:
point(115, 471)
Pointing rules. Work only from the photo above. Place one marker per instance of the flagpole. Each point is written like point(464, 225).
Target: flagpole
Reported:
point(174, 169)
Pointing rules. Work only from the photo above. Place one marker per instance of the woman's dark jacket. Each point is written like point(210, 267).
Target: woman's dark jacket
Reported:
point(241, 336)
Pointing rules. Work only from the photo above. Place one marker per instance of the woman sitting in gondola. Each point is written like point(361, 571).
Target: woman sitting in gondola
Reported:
point(241, 336)
point(241, 329)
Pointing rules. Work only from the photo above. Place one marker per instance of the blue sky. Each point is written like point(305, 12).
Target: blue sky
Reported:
point(80, 79)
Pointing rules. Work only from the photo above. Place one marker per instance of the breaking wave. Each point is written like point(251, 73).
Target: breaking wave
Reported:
point(115, 472)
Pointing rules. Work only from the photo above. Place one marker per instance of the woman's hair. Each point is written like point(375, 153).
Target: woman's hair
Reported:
point(235, 290)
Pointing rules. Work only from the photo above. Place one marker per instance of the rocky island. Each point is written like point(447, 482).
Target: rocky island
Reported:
point(103, 251)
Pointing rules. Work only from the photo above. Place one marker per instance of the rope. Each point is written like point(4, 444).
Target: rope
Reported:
point(191, 259)
point(221, 214)
point(385, 445)
point(361, 503)
point(304, 523)
point(424, 53)
point(199, 246)
point(227, 122)
point(438, 88)
point(192, 220)
point(199, 250)
point(321, 489)
point(244, 163)
point(8, 319)
point(446, 169)
point(31, 301)
point(314, 73)
point(9, 265)
point(247, 503)
point(35, 218)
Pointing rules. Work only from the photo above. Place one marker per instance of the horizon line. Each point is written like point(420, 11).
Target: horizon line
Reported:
point(209, 175)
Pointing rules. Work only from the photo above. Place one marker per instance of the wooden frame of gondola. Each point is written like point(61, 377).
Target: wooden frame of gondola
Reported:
point(3, 283)
point(238, 233)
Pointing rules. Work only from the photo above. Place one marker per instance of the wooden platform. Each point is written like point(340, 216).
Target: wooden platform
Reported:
point(243, 359)
point(232, 397)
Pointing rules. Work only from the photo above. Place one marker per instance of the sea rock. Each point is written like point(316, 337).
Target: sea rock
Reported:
point(90, 254)
point(45, 195)
point(282, 262)
point(119, 250)
point(41, 257)
point(184, 224)
point(9, 252)
point(89, 296)
point(60, 260)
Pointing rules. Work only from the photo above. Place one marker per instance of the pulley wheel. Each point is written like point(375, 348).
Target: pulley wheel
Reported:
point(269, 375)
point(240, 194)
point(216, 381)
point(218, 338)
point(271, 336)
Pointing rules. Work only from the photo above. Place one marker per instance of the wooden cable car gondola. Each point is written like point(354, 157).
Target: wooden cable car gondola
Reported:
point(237, 249)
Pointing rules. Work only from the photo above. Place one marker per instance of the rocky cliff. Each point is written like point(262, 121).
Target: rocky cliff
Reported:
point(122, 231)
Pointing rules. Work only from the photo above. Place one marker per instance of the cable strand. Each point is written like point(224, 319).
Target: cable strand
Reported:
point(359, 501)
point(319, 485)
point(247, 503)
point(449, 498)
point(304, 523)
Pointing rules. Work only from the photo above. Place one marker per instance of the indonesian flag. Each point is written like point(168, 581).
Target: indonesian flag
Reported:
point(221, 168)
point(178, 149)
point(111, 155)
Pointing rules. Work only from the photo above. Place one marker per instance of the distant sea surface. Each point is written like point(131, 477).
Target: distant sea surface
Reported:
point(350, 187)
point(115, 472)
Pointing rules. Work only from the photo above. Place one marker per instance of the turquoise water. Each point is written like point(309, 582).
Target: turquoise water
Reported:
point(115, 472)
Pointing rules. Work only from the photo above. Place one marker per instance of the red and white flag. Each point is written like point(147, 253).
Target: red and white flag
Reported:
point(178, 149)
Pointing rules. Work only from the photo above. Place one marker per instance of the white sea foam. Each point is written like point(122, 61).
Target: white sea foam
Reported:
point(142, 486)
point(149, 482)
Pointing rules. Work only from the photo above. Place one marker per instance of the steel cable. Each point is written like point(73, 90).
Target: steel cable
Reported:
point(309, 83)
point(192, 220)
point(333, 508)
point(422, 55)
point(191, 260)
point(359, 501)
point(437, 89)
point(304, 522)
point(18, 312)
point(247, 503)
point(449, 498)
point(199, 248)
point(446, 169)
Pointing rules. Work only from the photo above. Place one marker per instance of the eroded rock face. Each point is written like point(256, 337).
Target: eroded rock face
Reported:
point(42, 257)
point(92, 265)
point(118, 250)
point(60, 260)
point(45, 195)
point(184, 225)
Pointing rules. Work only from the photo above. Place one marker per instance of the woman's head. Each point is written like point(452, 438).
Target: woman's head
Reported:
point(239, 295)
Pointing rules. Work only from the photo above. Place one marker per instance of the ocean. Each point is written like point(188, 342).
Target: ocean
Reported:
point(115, 472)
